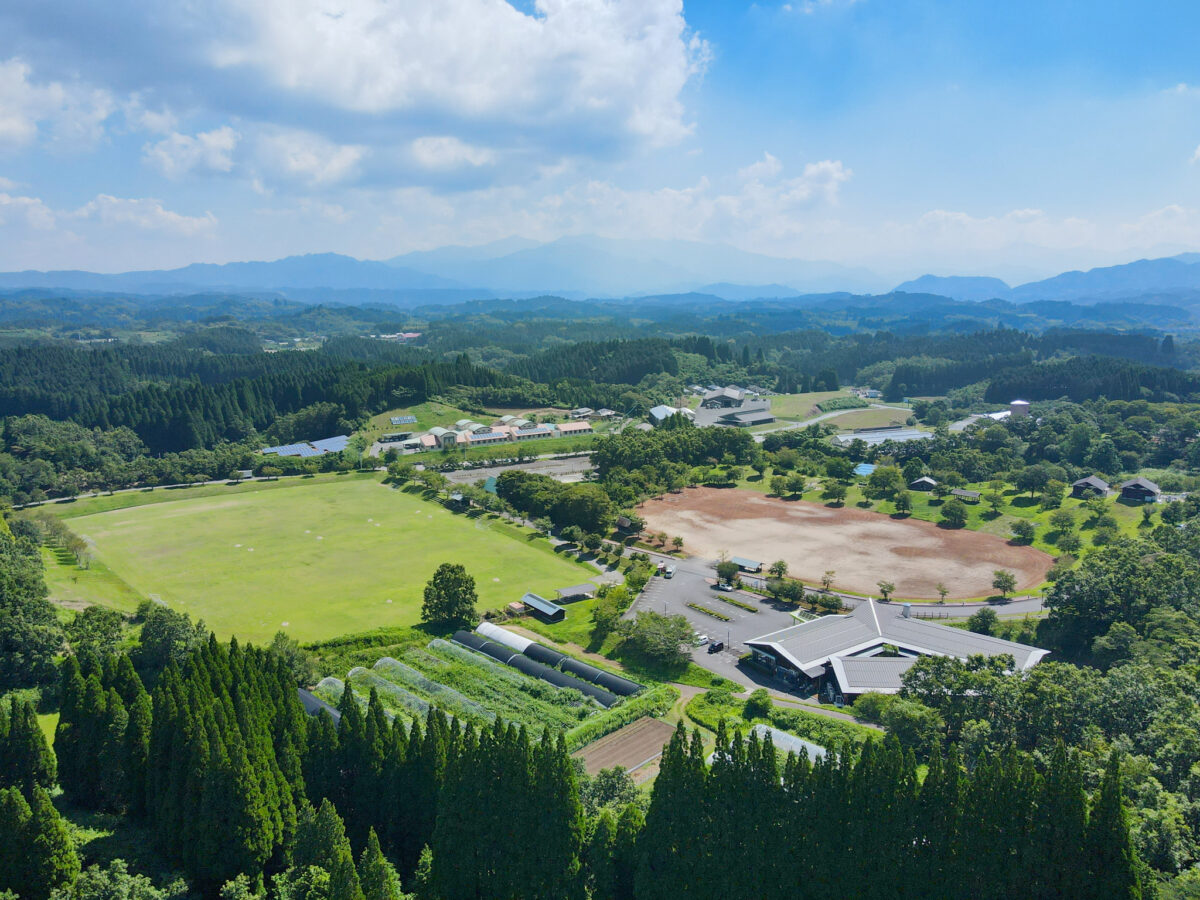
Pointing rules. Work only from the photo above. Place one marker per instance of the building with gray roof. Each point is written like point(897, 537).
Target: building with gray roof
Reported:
point(845, 654)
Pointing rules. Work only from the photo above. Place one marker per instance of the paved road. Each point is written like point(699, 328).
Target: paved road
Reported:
point(565, 470)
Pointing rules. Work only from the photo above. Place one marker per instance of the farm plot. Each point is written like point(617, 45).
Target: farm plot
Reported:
point(632, 746)
point(472, 687)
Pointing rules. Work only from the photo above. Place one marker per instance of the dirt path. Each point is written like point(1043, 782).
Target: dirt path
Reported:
point(862, 547)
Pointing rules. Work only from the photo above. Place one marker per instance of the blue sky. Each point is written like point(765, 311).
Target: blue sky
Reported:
point(902, 136)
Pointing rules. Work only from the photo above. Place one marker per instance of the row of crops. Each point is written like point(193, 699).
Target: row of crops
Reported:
point(475, 688)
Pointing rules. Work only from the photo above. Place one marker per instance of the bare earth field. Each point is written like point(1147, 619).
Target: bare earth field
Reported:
point(861, 546)
point(632, 746)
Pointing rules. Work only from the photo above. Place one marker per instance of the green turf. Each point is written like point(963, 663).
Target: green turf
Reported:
point(86, 506)
point(802, 406)
point(73, 587)
point(331, 557)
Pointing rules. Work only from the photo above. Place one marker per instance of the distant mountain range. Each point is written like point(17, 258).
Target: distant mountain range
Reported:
point(1169, 278)
point(593, 267)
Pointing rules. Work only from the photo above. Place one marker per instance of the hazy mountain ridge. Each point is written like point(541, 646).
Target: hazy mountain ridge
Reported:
point(1147, 279)
point(592, 267)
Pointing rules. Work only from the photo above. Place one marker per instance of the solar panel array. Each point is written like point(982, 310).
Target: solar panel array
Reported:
point(292, 450)
point(332, 444)
point(404, 420)
point(313, 448)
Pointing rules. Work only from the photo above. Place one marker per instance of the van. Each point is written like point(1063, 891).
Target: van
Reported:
point(669, 572)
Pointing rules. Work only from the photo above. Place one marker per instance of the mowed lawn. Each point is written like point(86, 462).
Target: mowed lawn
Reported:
point(326, 559)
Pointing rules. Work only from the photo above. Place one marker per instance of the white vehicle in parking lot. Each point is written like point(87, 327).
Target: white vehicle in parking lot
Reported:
point(701, 640)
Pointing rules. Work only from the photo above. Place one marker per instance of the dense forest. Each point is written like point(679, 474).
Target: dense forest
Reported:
point(240, 786)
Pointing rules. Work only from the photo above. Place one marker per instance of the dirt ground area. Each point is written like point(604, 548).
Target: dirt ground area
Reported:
point(634, 745)
point(861, 546)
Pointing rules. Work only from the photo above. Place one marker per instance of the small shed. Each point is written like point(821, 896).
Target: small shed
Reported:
point(924, 483)
point(543, 608)
point(969, 496)
point(1091, 486)
point(1140, 490)
point(746, 565)
point(577, 592)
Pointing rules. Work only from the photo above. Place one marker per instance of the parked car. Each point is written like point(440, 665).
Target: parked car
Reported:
point(722, 586)
point(669, 572)
point(701, 640)
point(716, 646)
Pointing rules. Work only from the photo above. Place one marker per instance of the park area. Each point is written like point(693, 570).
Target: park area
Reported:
point(320, 558)
point(860, 546)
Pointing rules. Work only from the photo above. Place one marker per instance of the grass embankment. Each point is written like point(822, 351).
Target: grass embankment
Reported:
point(802, 406)
point(320, 558)
point(870, 418)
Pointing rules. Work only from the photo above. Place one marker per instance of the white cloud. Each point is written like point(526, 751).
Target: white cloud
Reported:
point(613, 64)
point(808, 7)
point(29, 210)
point(449, 153)
point(307, 157)
point(143, 213)
point(1196, 155)
point(765, 168)
point(7, 184)
point(178, 154)
point(75, 113)
point(155, 121)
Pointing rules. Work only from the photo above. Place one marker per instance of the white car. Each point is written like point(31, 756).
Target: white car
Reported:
point(701, 640)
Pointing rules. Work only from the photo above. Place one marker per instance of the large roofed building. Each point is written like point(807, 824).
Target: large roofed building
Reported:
point(845, 654)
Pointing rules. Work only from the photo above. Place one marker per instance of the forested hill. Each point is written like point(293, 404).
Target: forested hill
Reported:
point(176, 396)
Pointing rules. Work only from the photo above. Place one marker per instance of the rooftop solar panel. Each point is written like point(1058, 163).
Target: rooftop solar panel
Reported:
point(294, 450)
point(332, 444)
point(404, 420)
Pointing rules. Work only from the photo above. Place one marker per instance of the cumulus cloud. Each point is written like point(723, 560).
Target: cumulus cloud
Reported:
point(767, 167)
point(75, 113)
point(29, 211)
point(178, 154)
point(598, 73)
point(143, 213)
point(449, 153)
point(306, 157)
point(622, 62)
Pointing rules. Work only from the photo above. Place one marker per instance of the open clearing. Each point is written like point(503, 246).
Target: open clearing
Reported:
point(329, 558)
point(862, 547)
point(870, 418)
point(632, 746)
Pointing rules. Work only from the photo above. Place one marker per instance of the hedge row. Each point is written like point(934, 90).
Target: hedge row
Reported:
point(654, 702)
point(708, 612)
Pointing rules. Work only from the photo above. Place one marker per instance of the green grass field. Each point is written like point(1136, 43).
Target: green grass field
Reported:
point(802, 406)
point(869, 418)
point(324, 558)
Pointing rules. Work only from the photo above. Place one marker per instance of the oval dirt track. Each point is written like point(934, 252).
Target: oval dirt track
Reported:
point(861, 546)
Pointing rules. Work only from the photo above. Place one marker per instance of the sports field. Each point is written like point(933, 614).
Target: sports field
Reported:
point(328, 558)
point(861, 546)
